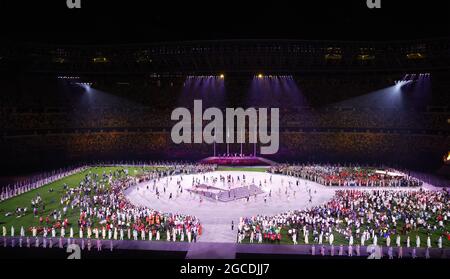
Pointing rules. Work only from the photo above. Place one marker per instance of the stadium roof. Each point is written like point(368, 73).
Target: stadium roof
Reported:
point(209, 57)
point(112, 22)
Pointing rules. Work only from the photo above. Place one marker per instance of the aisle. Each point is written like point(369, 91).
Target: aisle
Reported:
point(218, 232)
point(208, 250)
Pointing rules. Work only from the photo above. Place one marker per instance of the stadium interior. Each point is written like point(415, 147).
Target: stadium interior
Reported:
point(349, 105)
point(88, 156)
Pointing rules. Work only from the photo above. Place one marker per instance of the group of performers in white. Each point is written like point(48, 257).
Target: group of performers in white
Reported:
point(19, 188)
point(376, 217)
point(356, 218)
point(106, 214)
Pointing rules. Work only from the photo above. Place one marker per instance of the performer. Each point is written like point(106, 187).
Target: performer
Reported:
point(189, 235)
point(398, 241)
point(174, 234)
point(99, 245)
point(390, 253)
point(427, 253)
point(294, 236)
point(89, 244)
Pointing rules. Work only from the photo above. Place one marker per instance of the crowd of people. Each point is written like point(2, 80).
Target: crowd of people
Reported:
point(354, 217)
point(148, 103)
point(335, 175)
point(148, 117)
point(97, 209)
point(415, 151)
point(132, 119)
point(410, 151)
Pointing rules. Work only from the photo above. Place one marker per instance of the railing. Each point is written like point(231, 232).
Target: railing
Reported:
point(36, 182)
point(39, 180)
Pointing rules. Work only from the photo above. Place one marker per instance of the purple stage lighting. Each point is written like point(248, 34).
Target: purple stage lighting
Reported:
point(275, 91)
point(208, 88)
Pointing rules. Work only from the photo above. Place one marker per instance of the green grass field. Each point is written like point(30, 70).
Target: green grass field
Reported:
point(50, 199)
point(340, 239)
point(52, 202)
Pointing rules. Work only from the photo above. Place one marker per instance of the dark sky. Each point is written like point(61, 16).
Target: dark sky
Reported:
point(133, 21)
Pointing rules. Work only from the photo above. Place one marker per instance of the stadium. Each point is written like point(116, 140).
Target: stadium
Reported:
point(360, 169)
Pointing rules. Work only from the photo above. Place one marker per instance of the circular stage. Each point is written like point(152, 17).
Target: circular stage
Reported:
point(219, 202)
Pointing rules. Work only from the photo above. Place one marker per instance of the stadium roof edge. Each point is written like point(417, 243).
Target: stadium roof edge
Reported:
point(230, 41)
